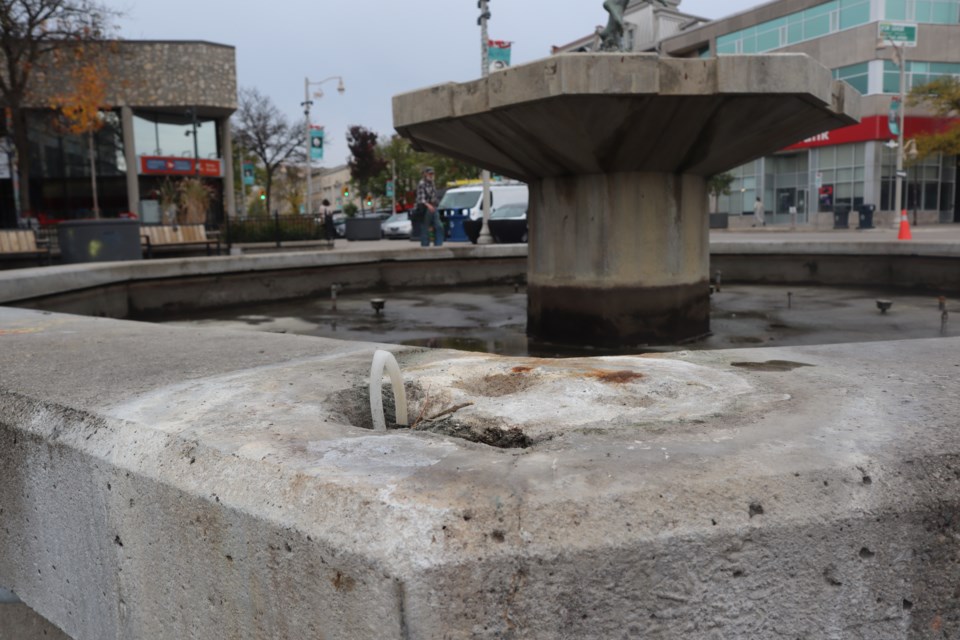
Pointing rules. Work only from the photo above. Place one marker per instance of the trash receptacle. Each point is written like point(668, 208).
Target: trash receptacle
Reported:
point(100, 240)
point(866, 216)
point(453, 220)
point(841, 216)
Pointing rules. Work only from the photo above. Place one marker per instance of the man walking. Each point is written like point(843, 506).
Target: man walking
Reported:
point(427, 204)
point(758, 219)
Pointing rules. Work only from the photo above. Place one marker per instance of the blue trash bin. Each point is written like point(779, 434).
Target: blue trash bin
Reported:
point(454, 222)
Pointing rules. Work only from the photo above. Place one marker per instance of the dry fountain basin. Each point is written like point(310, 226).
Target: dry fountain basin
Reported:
point(616, 149)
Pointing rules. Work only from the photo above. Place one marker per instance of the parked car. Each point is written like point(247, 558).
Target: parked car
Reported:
point(465, 203)
point(508, 223)
point(397, 226)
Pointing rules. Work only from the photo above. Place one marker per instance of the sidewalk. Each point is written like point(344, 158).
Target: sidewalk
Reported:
point(940, 233)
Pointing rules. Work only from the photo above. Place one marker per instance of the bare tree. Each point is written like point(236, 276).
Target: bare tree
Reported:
point(31, 31)
point(265, 132)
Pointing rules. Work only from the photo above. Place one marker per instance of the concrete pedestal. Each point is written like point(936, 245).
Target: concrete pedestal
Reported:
point(616, 149)
point(619, 258)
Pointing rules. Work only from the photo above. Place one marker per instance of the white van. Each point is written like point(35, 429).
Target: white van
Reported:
point(467, 201)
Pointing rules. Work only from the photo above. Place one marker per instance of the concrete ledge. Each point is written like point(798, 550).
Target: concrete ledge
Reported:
point(169, 483)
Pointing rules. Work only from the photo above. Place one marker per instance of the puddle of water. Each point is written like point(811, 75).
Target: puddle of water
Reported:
point(493, 319)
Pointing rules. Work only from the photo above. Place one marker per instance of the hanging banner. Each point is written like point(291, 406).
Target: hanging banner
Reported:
point(316, 142)
point(893, 117)
point(248, 174)
point(498, 54)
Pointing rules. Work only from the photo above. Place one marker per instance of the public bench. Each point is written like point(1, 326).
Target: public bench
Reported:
point(22, 243)
point(177, 237)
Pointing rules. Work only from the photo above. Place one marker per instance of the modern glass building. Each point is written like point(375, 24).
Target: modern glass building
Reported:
point(854, 166)
point(844, 168)
point(168, 120)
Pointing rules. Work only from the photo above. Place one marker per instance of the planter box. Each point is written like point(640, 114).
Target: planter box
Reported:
point(363, 228)
point(99, 240)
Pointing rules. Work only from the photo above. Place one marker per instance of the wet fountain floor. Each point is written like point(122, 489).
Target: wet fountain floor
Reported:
point(493, 319)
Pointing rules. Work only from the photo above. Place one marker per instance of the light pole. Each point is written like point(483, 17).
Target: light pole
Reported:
point(306, 104)
point(483, 5)
point(899, 57)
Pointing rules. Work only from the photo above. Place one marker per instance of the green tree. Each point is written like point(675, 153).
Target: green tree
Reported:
point(409, 165)
point(31, 32)
point(719, 185)
point(942, 96)
point(366, 164)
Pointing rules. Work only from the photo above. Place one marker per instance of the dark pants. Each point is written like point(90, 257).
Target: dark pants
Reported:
point(431, 220)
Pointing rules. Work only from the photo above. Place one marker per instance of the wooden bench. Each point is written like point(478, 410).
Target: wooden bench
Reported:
point(174, 237)
point(20, 243)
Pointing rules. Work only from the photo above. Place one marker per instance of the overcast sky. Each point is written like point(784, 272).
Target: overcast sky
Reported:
point(380, 47)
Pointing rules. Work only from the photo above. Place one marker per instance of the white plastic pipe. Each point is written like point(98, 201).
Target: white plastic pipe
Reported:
point(381, 360)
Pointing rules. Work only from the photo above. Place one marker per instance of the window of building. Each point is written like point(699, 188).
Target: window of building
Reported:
point(841, 175)
point(918, 73)
point(931, 11)
point(856, 75)
point(55, 154)
point(811, 23)
point(172, 134)
point(743, 190)
point(929, 185)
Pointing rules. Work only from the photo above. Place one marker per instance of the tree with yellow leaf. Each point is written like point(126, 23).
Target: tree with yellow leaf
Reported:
point(31, 33)
point(942, 96)
point(81, 108)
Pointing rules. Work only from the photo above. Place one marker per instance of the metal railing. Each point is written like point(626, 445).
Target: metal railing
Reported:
point(277, 229)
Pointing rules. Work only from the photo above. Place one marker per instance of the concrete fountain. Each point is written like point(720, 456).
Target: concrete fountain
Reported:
point(617, 149)
point(168, 483)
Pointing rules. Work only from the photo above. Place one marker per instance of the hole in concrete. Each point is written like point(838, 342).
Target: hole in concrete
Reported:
point(907, 605)
point(756, 509)
point(354, 408)
point(770, 365)
point(866, 554)
point(867, 480)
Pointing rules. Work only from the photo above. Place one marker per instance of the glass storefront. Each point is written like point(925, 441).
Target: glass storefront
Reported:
point(172, 135)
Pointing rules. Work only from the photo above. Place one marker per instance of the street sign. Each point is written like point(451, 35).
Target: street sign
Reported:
point(901, 174)
point(898, 33)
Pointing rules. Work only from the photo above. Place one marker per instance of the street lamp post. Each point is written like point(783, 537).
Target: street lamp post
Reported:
point(898, 51)
point(485, 237)
point(306, 104)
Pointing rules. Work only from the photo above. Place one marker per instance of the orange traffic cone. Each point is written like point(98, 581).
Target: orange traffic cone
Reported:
point(904, 227)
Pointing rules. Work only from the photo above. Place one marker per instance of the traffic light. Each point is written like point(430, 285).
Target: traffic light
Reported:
point(369, 201)
point(346, 192)
point(263, 195)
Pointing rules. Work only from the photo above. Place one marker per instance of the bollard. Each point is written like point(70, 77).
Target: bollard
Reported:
point(333, 295)
point(944, 317)
point(718, 276)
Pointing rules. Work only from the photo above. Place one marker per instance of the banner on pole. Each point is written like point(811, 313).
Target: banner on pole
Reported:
point(316, 142)
point(498, 54)
point(248, 174)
